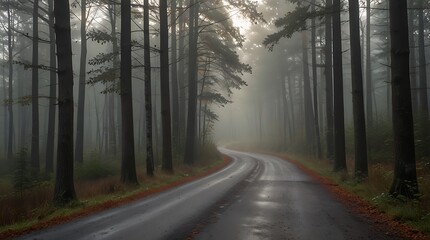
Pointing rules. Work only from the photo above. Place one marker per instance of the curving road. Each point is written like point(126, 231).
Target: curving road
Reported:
point(256, 197)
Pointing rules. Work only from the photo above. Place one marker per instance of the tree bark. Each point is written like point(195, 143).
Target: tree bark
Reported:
point(412, 59)
point(369, 83)
point(49, 168)
point(64, 191)
point(329, 79)
point(405, 178)
point(422, 63)
point(357, 91)
point(35, 165)
point(339, 121)
point(79, 146)
point(309, 112)
point(128, 167)
point(181, 78)
point(174, 77)
point(189, 157)
point(10, 79)
point(315, 85)
point(165, 89)
point(148, 94)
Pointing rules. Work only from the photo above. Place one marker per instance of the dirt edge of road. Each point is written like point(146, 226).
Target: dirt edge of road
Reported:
point(10, 234)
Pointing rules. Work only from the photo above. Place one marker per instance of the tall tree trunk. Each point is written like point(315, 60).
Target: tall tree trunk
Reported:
point(369, 83)
point(412, 59)
point(111, 98)
point(329, 80)
point(422, 64)
point(35, 165)
point(357, 91)
point(309, 113)
point(5, 97)
point(189, 157)
point(165, 88)
point(64, 191)
point(315, 85)
point(10, 79)
point(128, 167)
point(52, 93)
point(339, 121)
point(291, 96)
point(148, 94)
point(405, 177)
point(174, 77)
point(79, 146)
point(181, 78)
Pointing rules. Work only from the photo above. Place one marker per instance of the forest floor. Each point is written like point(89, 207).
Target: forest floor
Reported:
point(369, 198)
point(31, 209)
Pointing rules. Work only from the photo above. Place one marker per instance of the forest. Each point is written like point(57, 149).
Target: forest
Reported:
point(103, 100)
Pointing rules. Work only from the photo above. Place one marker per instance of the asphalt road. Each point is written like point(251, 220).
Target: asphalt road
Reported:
point(255, 197)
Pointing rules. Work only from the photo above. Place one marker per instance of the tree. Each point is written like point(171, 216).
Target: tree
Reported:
point(10, 79)
point(64, 191)
point(369, 84)
point(165, 88)
point(315, 83)
point(35, 92)
point(174, 77)
point(339, 121)
point(148, 94)
point(405, 177)
point(423, 64)
point(189, 157)
point(357, 91)
point(52, 92)
point(329, 78)
point(128, 167)
point(79, 147)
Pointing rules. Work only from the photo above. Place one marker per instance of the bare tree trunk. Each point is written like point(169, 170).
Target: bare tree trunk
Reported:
point(422, 63)
point(148, 94)
point(339, 121)
point(291, 96)
point(79, 146)
point(315, 86)
point(64, 189)
point(329, 80)
point(128, 167)
point(111, 98)
point(35, 165)
point(181, 78)
point(52, 93)
point(165, 88)
point(10, 92)
point(413, 60)
point(405, 177)
point(369, 82)
point(309, 112)
point(189, 157)
point(357, 91)
point(174, 77)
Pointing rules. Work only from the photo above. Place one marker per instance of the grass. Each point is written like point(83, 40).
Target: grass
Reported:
point(374, 189)
point(32, 208)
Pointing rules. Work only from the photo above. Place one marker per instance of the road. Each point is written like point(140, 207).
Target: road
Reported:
point(255, 197)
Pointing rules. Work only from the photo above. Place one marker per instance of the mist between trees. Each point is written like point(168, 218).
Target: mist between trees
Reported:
point(161, 80)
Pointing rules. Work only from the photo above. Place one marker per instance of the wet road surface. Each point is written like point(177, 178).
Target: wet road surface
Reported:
point(255, 197)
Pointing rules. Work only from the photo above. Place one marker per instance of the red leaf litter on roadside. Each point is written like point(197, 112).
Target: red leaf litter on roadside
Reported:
point(10, 234)
point(381, 221)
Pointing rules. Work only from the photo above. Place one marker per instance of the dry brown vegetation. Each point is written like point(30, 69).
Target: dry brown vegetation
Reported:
point(21, 211)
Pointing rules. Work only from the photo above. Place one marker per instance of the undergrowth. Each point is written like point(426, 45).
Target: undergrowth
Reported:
point(96, 181)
